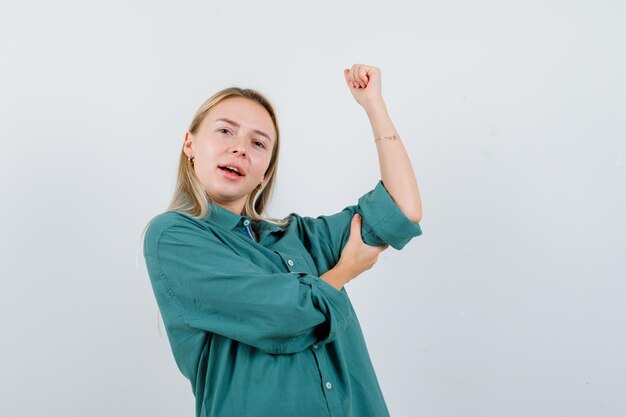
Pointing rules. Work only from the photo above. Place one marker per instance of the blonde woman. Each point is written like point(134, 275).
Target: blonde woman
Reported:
point(255, 308)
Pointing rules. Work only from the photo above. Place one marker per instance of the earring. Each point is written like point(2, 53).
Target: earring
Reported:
point(191, 160)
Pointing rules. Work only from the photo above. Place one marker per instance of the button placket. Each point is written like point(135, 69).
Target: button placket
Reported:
point(246, 223)
point(325, 375)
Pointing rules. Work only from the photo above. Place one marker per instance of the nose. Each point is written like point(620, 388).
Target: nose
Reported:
point(239, 147)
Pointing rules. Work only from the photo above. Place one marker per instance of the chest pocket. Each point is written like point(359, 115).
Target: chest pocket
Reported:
point(296, 263)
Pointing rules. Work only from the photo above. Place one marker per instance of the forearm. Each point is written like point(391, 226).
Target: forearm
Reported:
point(395, 167)
point(338, 276)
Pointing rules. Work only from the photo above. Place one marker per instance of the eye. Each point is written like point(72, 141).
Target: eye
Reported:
point(223, 129)
point(261, 143)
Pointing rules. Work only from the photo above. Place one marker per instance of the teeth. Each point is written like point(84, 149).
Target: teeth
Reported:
point(233, 168)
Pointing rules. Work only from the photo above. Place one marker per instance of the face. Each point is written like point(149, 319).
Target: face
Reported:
point(235, 132)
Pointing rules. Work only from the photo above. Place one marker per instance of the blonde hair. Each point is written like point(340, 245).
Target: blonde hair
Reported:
point(191, 198)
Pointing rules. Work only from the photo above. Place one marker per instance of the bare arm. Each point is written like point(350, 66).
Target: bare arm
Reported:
point(396, 170)
point(395, 167)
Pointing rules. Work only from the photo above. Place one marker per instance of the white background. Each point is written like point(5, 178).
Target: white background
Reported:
point(511, 303)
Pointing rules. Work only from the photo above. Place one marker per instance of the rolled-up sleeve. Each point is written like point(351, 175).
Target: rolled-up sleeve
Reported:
point(204, 284)
point(382, 223)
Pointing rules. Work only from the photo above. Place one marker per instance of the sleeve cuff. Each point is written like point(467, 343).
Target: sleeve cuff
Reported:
point(334, 304)
point(383, 221)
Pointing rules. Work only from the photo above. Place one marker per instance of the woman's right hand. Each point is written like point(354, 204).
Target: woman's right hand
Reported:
point(358, 256)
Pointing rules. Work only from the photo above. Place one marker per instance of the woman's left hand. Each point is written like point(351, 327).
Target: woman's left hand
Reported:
point(364, 83)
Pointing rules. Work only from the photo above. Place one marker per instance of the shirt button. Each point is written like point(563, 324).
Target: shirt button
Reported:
point(246, 222)
point(314, 346)
point(329, 385)
point(290, 262)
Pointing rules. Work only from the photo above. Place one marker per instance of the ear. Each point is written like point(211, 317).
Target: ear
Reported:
point(188, 144)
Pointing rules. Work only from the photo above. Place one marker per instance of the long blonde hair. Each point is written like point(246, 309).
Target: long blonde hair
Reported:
point(190, 196)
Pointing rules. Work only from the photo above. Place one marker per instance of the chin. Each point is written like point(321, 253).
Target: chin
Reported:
point(229, 193)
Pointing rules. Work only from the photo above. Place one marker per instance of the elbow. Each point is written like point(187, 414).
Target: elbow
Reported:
point(415, 215)
point(415, 219)
point(412, 213)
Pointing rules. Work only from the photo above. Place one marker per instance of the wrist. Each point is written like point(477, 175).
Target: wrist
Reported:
point(337, 276)
point(376, 105)
point(345, 272)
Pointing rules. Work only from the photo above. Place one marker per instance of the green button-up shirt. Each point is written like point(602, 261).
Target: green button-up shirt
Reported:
point(251, 324)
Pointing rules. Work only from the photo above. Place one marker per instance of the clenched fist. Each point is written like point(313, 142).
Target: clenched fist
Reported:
point(364, 83)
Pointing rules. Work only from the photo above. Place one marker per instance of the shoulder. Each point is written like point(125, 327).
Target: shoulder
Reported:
point(303, 225)
point(295, 220)
point(168, 221)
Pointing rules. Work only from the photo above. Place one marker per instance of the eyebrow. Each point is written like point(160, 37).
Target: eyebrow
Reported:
point(223, 119)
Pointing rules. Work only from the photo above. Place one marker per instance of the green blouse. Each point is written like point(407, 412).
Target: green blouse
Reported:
point(251, 324)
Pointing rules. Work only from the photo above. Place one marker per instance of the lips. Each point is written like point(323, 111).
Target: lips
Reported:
point(230, 175)
point(242, 173)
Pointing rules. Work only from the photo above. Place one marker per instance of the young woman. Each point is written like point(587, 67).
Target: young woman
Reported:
point(255, 308)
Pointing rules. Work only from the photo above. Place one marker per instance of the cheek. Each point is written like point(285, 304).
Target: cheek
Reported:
point(211, 155)
point(264, 165)
point(259, 162)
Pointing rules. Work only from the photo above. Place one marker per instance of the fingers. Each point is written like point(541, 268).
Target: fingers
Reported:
point(355, 228)
point(359, 75)
point(346, 73)
point(355, 232)
point(350, 79)
point(355, 76)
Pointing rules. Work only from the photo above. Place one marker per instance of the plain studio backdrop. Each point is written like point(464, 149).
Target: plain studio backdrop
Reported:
point(511, 303)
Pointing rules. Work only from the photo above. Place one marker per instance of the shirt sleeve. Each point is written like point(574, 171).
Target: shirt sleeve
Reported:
point(382, 223)
point(201, 283)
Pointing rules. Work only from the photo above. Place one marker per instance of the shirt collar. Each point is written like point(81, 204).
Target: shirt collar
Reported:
point(229, 220)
